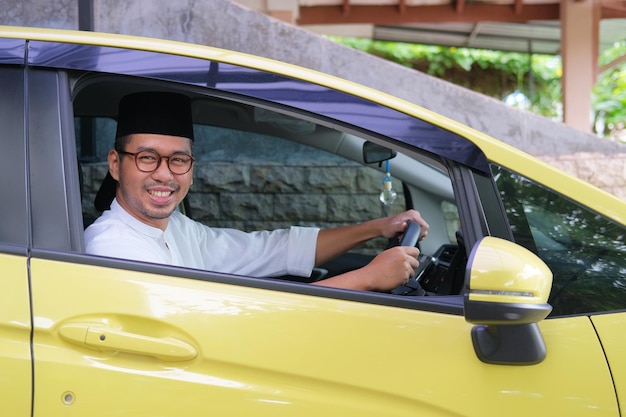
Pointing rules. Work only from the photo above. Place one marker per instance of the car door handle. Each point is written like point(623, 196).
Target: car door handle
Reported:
point(103, 338)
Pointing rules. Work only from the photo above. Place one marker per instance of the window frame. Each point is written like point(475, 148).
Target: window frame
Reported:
point(54, 187)
point(443, 304)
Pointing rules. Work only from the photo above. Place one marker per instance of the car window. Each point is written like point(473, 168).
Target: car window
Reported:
point(585, 251)
point(253, 181)
point(263, 168)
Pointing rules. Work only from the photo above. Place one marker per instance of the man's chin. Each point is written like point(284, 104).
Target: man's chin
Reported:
point(160, 213)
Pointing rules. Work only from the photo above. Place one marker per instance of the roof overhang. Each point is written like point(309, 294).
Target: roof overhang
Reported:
point(529, 26)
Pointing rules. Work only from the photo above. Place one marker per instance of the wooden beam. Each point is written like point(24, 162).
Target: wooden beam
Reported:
point(518, 6)
point(389, 14)
point(613, 9)
point(579, 57)
point(460, 6)
point(614, 63)
point(473, 34)
point(402, 6)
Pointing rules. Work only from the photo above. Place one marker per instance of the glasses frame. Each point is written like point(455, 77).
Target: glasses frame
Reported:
point(159, 159)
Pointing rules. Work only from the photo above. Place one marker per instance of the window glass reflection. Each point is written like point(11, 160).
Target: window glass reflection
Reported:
point(585, 251)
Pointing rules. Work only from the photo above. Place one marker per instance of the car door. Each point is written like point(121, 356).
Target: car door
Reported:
point(116, 337)
point(118, 341)
point(15, 321)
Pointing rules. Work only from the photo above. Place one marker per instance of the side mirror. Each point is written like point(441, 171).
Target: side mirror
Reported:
point(372, 153)
point(508, 293)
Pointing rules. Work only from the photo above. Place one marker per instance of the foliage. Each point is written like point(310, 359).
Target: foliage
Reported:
point(609, 95)
point(532, 82)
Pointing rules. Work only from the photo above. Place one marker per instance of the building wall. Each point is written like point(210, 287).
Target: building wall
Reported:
point(225, 24)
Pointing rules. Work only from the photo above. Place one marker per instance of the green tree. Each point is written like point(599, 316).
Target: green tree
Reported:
point(609, 95)
point(532, 82)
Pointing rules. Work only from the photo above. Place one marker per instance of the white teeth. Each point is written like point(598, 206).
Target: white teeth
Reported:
point(160, 193)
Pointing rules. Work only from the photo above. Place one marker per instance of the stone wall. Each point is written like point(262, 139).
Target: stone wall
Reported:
point(223, 194)
point(607, 172)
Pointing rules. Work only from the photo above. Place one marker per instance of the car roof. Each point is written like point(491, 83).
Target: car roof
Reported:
point(489, 149)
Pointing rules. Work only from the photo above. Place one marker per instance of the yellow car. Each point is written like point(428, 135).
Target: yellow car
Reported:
point(517, 308)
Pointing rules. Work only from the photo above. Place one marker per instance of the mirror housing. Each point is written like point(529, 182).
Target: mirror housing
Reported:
point(373, 153)
point(508, 293)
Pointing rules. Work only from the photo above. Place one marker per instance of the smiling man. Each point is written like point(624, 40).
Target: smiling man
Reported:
point(152, 170)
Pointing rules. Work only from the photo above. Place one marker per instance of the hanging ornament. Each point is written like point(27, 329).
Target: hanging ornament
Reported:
point(388, 195)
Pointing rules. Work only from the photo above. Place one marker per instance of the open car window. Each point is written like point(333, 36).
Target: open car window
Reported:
point(259, 167)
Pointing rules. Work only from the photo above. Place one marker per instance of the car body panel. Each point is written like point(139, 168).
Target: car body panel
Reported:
point(250, 362)
point(15, 327)
point(610, 328)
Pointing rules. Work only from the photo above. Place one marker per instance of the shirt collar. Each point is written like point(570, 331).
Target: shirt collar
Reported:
point(134, 223)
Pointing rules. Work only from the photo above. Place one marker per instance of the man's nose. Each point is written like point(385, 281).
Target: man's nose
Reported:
point(163, 169)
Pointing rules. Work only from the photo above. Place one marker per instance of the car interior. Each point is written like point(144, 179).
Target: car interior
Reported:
point(262, 166)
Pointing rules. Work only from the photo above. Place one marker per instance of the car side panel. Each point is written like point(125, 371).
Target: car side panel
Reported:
point(15, 358)
point(113, 341)
point(612, 331)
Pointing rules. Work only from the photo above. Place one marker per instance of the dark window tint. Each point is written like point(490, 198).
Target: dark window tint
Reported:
point(13, 213)
point(585, 251)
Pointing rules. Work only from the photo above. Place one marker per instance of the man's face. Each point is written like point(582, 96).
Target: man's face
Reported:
point(150, 196)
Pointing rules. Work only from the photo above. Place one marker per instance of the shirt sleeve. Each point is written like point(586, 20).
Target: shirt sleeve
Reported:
point(261, 254)
point(193, 245)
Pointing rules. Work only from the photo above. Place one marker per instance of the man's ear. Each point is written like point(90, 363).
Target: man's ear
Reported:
point(114, 164)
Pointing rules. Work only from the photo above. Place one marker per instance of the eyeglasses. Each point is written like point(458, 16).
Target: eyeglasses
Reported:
point(149, 161)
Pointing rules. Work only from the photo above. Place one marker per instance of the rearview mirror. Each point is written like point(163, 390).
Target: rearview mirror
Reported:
point(509, 289)
point(373, 152)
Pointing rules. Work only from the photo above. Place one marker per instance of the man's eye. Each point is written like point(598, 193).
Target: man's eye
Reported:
point(179, 160)
point(147, 158)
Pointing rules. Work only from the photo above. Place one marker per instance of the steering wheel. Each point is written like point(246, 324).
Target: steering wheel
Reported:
point(411, 234)
point(410, 237)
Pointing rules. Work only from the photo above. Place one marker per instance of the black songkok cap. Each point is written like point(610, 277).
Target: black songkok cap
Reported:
point(155, 112)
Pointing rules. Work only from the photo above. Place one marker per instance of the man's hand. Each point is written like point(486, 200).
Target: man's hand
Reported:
point(391, 226)
point(334, 242)
point(390, 269)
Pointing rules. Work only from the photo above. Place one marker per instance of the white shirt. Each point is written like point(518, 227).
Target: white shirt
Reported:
point(191, 244)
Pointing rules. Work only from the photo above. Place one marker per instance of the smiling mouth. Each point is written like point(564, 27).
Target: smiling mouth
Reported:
point(160, 194)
